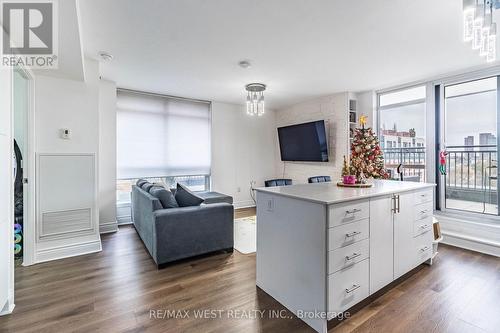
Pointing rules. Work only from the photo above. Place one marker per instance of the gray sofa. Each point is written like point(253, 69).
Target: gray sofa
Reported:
point(177, 233)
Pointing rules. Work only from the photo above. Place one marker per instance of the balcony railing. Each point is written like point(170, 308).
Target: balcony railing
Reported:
point(412, 159)
point(471, 171)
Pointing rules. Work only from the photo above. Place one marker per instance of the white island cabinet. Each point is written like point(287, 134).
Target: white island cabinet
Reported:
point(321, 249)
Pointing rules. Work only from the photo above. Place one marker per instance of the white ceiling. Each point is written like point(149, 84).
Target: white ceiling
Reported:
point(300, 49)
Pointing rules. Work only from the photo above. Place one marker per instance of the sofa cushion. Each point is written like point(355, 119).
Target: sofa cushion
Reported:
point(214, 197)
point(186, 198)
point(147, 186)
point(166, 197)
point(155, 185)
point(140, 182)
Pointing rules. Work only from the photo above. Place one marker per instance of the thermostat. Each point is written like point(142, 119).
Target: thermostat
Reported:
point(65, 133)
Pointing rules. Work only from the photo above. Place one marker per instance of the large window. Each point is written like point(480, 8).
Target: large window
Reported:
point(402, 131)
point(163, 139)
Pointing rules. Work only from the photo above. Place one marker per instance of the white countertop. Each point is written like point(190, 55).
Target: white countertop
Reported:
point(330, 193)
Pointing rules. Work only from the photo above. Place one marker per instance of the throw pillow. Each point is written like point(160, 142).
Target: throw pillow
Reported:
point(141, 181)
point(166, 198)
point(147, 186)
point(185, 197)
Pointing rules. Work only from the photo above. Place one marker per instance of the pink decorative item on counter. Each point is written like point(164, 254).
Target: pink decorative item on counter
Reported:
point(350, 179)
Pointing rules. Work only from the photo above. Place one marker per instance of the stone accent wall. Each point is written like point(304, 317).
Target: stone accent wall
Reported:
point(332, 109)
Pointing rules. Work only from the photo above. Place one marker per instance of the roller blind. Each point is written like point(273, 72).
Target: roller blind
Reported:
point(159, 136)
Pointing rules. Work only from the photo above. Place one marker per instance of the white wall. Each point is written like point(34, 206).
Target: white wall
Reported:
point(107, 156)
point(243, 149)
point(366, 105)
point(332, 109)
point(62, 103)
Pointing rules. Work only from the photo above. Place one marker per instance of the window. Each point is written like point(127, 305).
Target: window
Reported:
point(402, 122)
point(163, 139)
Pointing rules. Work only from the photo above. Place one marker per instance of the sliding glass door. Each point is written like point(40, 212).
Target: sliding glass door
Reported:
point(470, 142)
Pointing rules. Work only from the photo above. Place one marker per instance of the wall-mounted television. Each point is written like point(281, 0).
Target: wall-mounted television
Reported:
point(304, 142)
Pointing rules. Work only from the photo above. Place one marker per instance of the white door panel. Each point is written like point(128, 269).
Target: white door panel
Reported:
point(381, 243)
point(403, 235)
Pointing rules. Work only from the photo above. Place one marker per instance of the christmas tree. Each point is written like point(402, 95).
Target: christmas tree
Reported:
point(367, 160)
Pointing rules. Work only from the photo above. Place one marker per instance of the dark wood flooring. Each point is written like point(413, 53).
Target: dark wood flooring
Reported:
point(120, 290)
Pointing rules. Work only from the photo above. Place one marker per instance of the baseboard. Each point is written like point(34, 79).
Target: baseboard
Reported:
point(470, 232)
point(8, 309)
point(68, 251)
point(125, 219)
point(108, 227)
point(244, 204)
point(471, 243)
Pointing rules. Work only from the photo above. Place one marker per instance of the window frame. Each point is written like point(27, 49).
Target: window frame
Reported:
point(428, 101)
point(441, 138)
point(123, 208)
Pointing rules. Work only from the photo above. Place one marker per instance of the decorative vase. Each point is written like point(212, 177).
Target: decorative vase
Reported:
point(349, 179)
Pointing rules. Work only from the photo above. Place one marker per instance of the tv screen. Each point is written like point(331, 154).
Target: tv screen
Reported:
point(304, 142)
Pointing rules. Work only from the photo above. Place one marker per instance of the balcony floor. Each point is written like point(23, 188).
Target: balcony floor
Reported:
point(470, 206)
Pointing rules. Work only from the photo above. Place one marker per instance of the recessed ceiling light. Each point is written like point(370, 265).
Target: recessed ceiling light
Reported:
point(245, 64)
point(105, 56)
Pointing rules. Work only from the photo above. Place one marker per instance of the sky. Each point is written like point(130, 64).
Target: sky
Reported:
point(405, 117)
point(470, 115)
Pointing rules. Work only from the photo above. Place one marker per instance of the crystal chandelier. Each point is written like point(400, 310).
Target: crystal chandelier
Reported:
point(479, 28)
point(255, 98)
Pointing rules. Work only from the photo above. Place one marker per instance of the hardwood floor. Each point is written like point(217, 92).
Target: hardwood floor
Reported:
point(244, 212)
point(120, 290)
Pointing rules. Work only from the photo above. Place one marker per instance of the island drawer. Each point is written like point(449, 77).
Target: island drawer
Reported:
point(422, 226)
point(423, 196)
point(340, 214)
point(423, 211)
point(347, 256)
point(348, 287)
point(347, 234)
point(422, 247)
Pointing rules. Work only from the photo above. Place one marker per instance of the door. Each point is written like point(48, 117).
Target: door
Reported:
point(469, 180)
point(6, 201)
point(403, 234)
point(381, 250)
point(5, 220)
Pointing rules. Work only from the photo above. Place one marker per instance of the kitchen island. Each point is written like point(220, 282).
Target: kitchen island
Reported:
point(321, 249)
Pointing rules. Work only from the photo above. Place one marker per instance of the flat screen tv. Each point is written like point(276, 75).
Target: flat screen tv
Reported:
point(304, 142)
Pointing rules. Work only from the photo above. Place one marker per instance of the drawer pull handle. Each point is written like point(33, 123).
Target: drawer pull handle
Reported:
point(424, 249)
point(355, 210)
point(353, 256)
point(424, 226)
point(354, 287)
point(423, 211)
point(352, 234)
point(423, 195)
